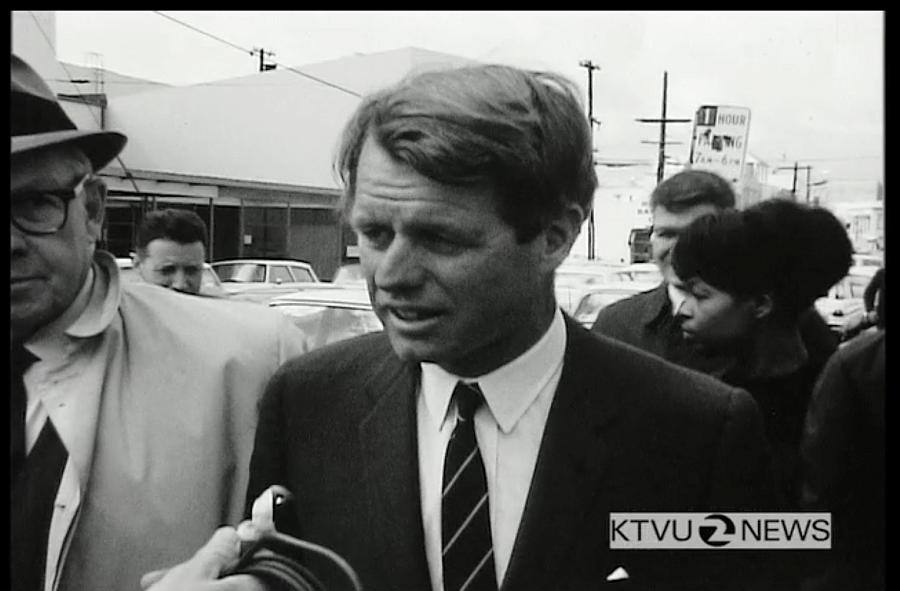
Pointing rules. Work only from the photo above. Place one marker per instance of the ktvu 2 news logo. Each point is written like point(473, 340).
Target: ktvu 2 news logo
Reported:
point(719, 531)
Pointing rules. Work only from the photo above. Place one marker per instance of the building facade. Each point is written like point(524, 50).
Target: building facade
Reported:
point(251, 155)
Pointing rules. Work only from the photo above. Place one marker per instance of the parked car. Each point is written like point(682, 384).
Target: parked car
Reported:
point(843, 307)
point(327, 313)
point(641, 272)
point(868, 260)
point(210, 284)
point(349, 273)
point(600, 296)
point(840, 314)
point(639, 245)
point(576, 276)
point(260, 280)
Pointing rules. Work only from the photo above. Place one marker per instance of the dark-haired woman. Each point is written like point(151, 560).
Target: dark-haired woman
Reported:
point(750, 276)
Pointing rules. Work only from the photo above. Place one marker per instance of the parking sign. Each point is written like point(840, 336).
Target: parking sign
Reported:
point(719, 141)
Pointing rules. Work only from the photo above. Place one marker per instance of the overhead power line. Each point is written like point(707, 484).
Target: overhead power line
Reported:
point(81, 94)
point(255, 51)
point(202, 32)
point(848, 158)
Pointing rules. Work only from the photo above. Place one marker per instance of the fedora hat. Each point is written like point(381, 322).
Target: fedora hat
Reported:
point(37, 120)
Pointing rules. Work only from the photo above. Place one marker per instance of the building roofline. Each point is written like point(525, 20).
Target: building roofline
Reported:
point(153, 175)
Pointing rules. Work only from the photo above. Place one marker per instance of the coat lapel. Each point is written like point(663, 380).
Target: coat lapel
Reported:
point(567, 477)
point(389, 442)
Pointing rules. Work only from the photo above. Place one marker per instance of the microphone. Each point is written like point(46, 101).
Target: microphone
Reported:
point(273, 556)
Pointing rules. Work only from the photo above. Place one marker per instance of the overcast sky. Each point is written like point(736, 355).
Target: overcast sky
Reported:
point(814, 81)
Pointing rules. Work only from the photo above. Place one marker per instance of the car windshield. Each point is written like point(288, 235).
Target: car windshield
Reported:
point(210, 279)
point(241, 272)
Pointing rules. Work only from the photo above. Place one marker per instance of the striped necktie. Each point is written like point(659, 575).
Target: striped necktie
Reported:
point(467, 550)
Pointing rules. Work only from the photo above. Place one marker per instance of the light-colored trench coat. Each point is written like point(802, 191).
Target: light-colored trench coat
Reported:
point(161, 429)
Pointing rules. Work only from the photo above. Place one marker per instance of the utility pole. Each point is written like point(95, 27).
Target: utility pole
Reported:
point(794, 184)
point(662, 129)
point(263, 66)
point(808, 173)
point(590, 105)
point(796, 168)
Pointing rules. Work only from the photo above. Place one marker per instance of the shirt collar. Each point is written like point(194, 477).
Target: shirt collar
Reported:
point(89, 313)
point(676, 297)
point(508, 390)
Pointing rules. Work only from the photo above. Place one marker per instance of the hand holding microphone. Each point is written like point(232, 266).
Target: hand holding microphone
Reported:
point(252, 557)
point(202, 571)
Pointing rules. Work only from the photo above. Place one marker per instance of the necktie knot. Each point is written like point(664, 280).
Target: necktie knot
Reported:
point(468, 399)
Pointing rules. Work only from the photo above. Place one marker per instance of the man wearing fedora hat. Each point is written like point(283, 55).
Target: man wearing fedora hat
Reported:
point(132, 408)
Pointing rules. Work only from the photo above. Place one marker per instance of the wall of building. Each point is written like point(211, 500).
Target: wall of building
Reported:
point(252, 155)
point(864, 222)
point(316, 238)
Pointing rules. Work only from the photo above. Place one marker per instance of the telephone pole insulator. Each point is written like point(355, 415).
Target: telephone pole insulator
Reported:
point(263, 66)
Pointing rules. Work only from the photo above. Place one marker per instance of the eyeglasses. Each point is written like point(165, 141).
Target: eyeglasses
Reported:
point(43, 212)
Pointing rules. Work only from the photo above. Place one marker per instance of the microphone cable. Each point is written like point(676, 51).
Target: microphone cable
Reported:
point(266, 558)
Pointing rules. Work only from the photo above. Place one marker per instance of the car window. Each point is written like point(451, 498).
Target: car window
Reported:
point(241, 272)
point(280, 274)
point(301, 275)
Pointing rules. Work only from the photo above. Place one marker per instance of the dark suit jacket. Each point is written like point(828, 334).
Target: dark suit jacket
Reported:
point(626, 432)
point(645, 320)
point(845, 464)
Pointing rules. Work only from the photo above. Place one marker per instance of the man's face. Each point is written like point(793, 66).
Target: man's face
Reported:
point(666, 227)
point(445, 273)
point(47, 271)
point(173, 265)
point(714, 317)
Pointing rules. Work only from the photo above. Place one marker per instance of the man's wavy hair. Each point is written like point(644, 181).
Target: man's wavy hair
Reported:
point(179, 225)
point(522, 133)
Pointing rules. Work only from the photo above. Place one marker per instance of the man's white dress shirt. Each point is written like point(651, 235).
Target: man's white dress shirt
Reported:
point(509, 428)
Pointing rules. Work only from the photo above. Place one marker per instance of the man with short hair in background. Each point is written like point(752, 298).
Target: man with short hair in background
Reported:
point(171, 249)
point(132, 407)
point(648, 320)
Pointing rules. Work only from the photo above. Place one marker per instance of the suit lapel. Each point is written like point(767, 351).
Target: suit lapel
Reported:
point(567, 476)
point(389, 442)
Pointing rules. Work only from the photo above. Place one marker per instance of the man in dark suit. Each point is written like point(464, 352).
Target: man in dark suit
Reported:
point(482, 440)
point(466, 189)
